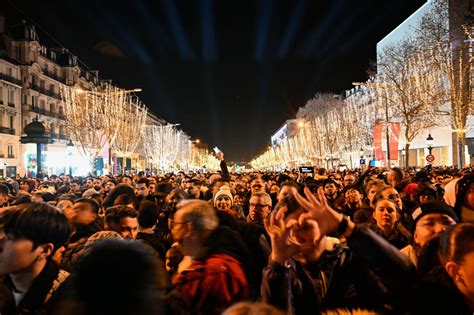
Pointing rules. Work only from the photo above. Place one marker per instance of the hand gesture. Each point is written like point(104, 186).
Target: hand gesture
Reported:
point(327, 218)
point(220, 156)
point(284, 246)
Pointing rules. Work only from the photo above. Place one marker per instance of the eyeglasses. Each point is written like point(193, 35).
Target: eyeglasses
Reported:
point(258, 205)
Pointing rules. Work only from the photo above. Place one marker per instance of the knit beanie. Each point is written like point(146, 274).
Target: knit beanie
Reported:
point(224, 191)
point(434, 206)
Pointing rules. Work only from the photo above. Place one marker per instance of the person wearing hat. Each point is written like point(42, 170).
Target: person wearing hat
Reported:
point(429, 219)
point(224, 201)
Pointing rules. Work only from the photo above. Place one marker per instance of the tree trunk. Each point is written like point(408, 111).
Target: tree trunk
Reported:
point(407, 155)
point(461, 139)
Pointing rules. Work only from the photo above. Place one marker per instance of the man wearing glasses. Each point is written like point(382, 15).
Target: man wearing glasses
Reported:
point(430, 219)
point(260, 206)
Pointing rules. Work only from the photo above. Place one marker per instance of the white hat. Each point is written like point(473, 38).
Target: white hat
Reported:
point(224, 191)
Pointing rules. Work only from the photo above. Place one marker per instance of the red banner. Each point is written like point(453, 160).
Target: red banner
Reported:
point(394, 136)
point(378, 141)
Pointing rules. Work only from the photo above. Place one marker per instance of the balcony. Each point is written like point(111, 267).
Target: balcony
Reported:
point(54, 76)
point(6, 130)
point(45, 112)
point(11, 104)
point(44, 91)
point(11, 79)
point(10, 156)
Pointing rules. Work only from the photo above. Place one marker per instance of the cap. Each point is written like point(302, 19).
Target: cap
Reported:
point(434, 206)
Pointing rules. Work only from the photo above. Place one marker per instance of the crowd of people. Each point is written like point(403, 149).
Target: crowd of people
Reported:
point(363, 241)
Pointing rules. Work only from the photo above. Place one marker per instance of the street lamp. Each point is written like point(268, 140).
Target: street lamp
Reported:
point(70, 145)
point(430, 142)
point(361, 152)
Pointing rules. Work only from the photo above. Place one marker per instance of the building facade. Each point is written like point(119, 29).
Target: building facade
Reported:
point(31, 76)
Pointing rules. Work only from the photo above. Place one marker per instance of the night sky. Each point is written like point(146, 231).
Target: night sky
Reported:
point(230, 72)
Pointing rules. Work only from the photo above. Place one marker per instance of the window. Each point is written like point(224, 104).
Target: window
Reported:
point(12, 122)
point(51, 88)
point(33, 101)
point(10, 150)
point(11, 97)
point(10, 72)
point(33, 80)
point(1, 94)
point(42, 84)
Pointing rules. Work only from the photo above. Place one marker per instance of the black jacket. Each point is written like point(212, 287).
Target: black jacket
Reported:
point(154, 241)
point(47, 289)
point(358, 276)
point(77, 241)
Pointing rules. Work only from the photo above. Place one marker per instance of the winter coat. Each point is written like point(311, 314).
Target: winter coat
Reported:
point(154, 241)
point(217, 280)
point(396, 238)
point(257, 243)
point(77, 241)
point(46, 290)
point(358, 276)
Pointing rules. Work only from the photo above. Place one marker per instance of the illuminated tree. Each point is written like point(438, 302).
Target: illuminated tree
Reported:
point(445, 33)
point(90, 117)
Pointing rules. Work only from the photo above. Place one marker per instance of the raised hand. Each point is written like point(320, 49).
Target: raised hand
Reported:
point(327, 218)
point(284, 246)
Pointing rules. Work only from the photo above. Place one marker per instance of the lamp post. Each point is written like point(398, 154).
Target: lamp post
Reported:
point(430, 141)
point(70, 145)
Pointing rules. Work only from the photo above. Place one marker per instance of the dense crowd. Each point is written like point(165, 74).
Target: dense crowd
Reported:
point(366, 241)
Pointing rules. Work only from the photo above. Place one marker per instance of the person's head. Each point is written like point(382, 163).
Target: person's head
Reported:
point(127, 180)
point(89, 183)
point(118, 277)
point(257, 185)
point(260, 206)
point(28, 185)
point(192, 188)
point(30, 235)
point(349, 180)
point(456, 253)
point(430, 219)
point(75, 186)
point(385, 214)
point(143, 187)
point(65, 206)
point(425, 193)
point(125, 200)
point(330, 187)
point(148, 213)
point(109, 185)
point(4, 191)
point(174, 197)
point(192, 224)
point(121, 189)
point(123, 220)
point(465, 198)
point(371, 189)
point(352, 195)
point(390, 193)
point(394, 176)
point(223, 199)
point(84, 212)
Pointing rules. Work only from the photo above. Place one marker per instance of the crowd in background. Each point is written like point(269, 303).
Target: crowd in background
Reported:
point(368, 240)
